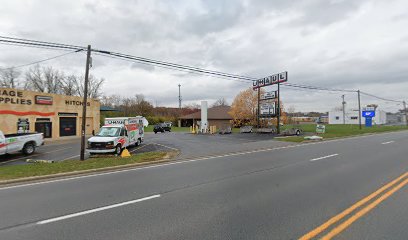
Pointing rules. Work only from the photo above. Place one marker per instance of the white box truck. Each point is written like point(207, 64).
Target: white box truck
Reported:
point(117, 134)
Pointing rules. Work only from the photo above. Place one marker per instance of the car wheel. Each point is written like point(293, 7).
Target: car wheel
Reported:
point(297, 133)
point(118, 150)
point(28, 149)
point(155, 132)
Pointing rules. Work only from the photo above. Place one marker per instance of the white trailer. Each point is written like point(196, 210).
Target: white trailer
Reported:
point(117, 134)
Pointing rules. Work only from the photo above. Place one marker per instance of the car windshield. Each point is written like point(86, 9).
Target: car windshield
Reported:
point(109, 132)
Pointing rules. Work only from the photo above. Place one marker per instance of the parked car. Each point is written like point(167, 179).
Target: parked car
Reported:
point(23, 142)
point(161, 127)
point(246, 129)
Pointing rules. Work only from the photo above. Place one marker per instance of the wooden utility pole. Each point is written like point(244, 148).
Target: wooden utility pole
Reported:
point(406, 113)
point(344, 109)
point(359, 110)
point(88, 58)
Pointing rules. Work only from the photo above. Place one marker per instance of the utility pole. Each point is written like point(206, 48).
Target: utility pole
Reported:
point(88, 59)
point(406, 113)
point(179, 96)
point(279, 114)
point(344, 109)
point(179, 121)
point(359, 109)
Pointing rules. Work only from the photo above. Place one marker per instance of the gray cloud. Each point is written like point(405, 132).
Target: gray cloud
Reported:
point(330, 43)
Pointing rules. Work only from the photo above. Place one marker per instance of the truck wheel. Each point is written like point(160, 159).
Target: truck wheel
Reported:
point(137, 142)
point(118, 149)
point(28, 149)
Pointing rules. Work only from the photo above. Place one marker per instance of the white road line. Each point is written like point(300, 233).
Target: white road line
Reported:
point(70, 157)
point(384, 143)
point(320, 158)
point(140, 147)
point(96, 210)
point(166, 146)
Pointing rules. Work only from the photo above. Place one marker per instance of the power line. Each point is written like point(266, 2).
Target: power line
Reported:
point(40, 61)
point(381, 98)
point(163, 64)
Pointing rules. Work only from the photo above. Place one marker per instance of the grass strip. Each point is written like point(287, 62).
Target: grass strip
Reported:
point(336, 131)
point(40, 169)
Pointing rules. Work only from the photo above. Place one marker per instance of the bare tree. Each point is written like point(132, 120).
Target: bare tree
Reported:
point(220, 102)
point(53, 79)
point(94, 86)
point(111, 100)
point(46, 79)
point(9, 78)
point(69, 84)
point(34, 79)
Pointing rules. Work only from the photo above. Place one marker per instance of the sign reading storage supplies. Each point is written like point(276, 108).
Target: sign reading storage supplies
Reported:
point(271, 80)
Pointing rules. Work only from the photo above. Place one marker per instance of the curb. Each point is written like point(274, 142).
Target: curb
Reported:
point(167, 158)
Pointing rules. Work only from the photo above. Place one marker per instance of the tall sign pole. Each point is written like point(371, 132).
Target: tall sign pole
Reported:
point(88, 58)
point(279, 114)
point(359, 109)
point(258, 110)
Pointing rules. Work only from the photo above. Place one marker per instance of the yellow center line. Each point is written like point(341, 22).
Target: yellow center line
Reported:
point(341, 215)
point(362, 212)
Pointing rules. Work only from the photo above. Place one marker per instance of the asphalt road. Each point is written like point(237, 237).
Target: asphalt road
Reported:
point(190, 146)
point(283, 192)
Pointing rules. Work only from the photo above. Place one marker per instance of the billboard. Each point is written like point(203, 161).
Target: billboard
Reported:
point(271, 80)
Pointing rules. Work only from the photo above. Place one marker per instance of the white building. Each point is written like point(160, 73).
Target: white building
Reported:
point(352, 117)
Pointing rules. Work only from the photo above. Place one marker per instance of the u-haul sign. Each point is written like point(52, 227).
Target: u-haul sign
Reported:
point(271, 80)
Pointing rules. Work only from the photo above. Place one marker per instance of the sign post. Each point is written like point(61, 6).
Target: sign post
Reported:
point(267, 81)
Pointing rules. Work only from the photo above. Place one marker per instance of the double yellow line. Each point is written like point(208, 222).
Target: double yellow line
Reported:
point(392, 187)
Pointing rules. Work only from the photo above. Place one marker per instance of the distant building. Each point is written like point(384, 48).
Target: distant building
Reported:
point(217, 116)
point(396, 118)
point(352, 117)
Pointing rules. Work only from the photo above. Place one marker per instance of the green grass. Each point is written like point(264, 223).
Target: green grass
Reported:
point(333, 131)
point(173, 129)
point(40, 169)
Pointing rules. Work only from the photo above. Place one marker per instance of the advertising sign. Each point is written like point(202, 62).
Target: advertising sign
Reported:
point(320, 128)
point(271, 80)
point(43, 100)
point(23, 125)
point(370, 114)
point(269, 95)
point(268, 110)
point(369, 109)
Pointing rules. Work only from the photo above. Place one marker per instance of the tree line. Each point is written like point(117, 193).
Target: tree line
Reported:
point(47, 79)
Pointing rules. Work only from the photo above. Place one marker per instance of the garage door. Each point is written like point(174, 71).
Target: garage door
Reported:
point(67, 126)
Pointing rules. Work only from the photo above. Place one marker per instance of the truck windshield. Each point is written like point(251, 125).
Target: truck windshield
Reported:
point(109, 132)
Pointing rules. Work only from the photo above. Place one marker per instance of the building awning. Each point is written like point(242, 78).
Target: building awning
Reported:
point(108, 109)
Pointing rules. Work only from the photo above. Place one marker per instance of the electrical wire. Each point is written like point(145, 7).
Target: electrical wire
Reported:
point(40, 61)
point(163, 64)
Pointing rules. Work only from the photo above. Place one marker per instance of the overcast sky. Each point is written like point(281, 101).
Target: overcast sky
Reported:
point(332, 43)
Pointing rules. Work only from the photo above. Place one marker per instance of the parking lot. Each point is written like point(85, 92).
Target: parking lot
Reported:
point(189, 145)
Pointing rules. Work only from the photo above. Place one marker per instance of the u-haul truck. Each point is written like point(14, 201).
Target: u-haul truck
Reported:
point(117, 134)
